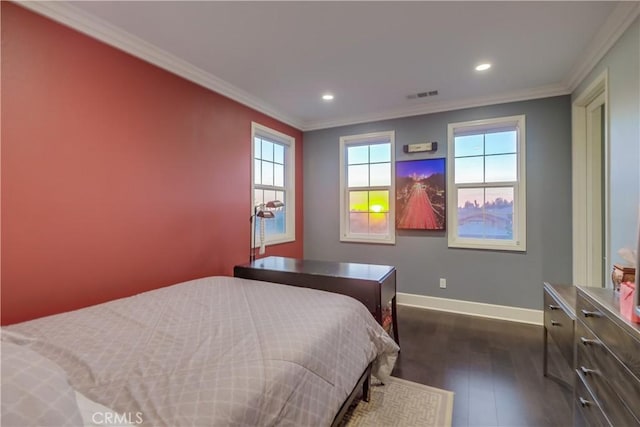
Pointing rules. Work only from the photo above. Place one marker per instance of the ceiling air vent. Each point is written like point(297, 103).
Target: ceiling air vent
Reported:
point(422, 94)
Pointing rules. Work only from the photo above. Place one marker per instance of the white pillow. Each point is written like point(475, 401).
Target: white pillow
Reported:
point(95, 414)
point(35, 390)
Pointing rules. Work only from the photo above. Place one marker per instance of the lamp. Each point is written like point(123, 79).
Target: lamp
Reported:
point(262, 211)
point(274, 204)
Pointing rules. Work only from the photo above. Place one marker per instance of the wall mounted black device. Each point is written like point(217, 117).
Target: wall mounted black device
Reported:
point(420, 148)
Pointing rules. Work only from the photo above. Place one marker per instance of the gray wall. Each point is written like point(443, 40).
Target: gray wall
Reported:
point(421, 258)
point(623, 65)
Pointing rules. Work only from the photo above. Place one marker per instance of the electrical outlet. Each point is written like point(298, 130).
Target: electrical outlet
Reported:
point(443, 283)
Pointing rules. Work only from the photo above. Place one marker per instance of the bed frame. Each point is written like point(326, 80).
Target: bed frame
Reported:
point(365, 382)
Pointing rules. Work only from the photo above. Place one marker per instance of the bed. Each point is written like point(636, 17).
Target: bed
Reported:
point(208, 352)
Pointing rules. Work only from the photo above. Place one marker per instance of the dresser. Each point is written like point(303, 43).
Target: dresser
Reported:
point(373, 285)
point(607, 346)
point(559, 319)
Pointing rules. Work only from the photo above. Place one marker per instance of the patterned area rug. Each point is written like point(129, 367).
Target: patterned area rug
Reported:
point(402, 403)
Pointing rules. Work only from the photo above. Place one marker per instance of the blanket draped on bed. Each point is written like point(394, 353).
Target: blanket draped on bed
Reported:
point(216, 351)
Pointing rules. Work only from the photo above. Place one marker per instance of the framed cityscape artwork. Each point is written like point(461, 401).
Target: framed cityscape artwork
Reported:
point(421, 194)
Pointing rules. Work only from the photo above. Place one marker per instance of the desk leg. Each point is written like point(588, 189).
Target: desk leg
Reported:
point(544, 350)
point(394, 319)
point(366, 393)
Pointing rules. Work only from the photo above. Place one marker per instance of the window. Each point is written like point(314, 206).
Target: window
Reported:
point(367, 188)
point(487, 199)
point(273, 178)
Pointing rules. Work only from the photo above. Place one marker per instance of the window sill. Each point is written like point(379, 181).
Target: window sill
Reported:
point(489, 246)
point(386, 241)
point(277, 241)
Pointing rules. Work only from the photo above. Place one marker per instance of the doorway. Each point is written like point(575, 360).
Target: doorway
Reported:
point(590, 154)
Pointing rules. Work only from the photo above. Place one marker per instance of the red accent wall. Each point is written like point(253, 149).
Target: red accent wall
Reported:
point(117, 176)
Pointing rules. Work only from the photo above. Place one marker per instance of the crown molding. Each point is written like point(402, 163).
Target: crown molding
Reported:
point(616, 24)
point(620, 19)
point(438, 107)
point(624, 14)
point(101, 30)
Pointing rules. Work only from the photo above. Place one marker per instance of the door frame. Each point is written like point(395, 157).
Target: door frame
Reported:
point(582, 221)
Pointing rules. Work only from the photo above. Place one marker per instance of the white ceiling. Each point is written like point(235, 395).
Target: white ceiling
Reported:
point(279, 57)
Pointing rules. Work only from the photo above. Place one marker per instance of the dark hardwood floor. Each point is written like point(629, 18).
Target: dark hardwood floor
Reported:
point(494, 368)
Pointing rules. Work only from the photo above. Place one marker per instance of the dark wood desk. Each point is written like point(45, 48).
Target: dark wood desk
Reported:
point(371, 284)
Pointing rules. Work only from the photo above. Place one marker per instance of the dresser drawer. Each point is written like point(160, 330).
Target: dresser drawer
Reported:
point(559, 325)
point(616, 390)
point(587, 411)
point(619, 342)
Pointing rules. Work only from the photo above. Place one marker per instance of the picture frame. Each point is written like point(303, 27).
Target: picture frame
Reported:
point(421, 194)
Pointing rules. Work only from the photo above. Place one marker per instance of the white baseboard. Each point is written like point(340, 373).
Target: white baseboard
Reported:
point(491, 311)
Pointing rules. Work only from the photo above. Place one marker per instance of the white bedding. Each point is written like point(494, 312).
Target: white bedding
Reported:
point(217, 351)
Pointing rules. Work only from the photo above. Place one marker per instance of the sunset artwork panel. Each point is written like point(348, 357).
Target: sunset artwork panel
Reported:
point(369, 181)
point(420, 194)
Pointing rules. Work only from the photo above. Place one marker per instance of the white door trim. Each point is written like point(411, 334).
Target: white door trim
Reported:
point(595, 191)
point(581, 201)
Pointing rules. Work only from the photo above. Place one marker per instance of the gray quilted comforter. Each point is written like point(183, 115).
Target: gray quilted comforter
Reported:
point(217, 351)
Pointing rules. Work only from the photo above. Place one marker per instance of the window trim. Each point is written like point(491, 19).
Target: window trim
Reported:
point(367, 139)
point(290, 182)
point(519, 243)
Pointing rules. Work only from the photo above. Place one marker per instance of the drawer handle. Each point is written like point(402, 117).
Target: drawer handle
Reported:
point(587, 371)
point(553, 307)
point(587, 313)
point(555, 323)
point(584, 402)
point(587, 341)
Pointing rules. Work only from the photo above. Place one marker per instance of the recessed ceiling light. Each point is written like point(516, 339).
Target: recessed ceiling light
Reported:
point(483, 67)
point(327, 97)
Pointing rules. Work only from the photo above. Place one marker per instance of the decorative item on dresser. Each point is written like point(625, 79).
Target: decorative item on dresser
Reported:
point(559, 319)
point(372, 284)
point(607, 388)
point(621, 274)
